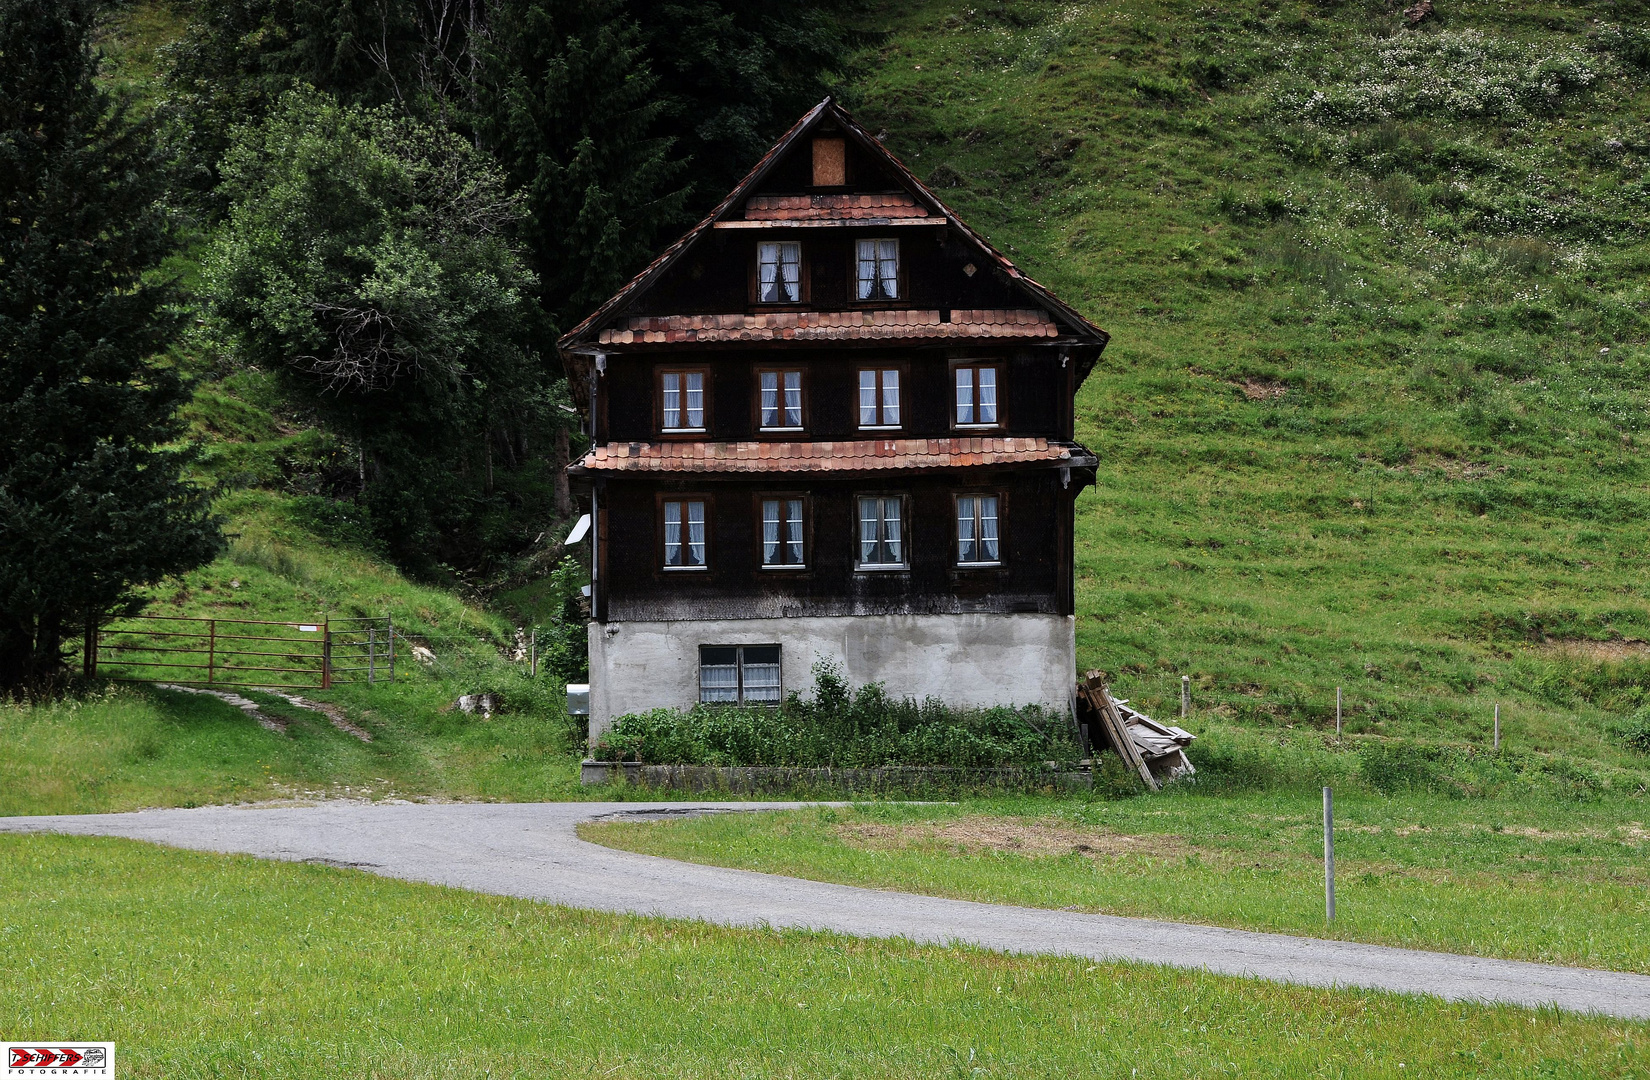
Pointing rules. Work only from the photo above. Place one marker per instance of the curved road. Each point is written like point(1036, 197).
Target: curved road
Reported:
point(530, 850)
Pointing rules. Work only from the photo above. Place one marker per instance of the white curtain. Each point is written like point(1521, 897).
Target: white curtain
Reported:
point(890, 397)
point(770, 532)
point(696, 533)
point(867, 399)
point(673, 534)
point(988, 395)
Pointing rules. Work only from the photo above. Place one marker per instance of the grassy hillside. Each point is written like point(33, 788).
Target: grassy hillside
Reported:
point(1372, 411)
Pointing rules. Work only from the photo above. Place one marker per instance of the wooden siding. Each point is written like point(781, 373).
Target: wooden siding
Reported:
point(1034, 397)
point(1035, 524)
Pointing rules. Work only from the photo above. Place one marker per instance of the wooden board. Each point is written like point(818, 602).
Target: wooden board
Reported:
point(1098, 696)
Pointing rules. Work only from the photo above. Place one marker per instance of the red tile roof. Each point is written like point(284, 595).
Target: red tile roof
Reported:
point(832, 325)
point(851, 456)
point(805, 207)
point(826, 109)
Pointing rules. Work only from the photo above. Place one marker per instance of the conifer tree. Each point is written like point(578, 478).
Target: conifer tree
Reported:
point(569, 107)
point(92, 502)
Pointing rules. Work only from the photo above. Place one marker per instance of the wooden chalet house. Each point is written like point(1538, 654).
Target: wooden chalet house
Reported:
point(831, 422)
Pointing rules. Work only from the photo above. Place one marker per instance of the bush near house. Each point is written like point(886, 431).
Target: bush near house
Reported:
point(842, 727)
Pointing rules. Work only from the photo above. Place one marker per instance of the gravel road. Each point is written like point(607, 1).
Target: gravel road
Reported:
point(530, 850)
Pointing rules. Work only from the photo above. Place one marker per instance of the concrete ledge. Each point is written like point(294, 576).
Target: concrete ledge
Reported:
point(752, 780)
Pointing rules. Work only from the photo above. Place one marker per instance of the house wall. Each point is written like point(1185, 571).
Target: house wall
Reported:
point(1035, 395)
point(968, 659)
point(1035, 528)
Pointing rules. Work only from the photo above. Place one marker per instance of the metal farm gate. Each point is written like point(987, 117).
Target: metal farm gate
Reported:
point(242, 652)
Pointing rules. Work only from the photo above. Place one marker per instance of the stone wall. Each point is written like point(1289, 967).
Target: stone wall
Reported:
point(964, 660)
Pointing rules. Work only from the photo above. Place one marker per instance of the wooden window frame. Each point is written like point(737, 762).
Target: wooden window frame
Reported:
point(756, 396)
point(904, 285)
point(659, 500)
point(739, 677)
point(806, 565)
point(956, 538)
point(659, 374)
point(804, 279)
point(904, 402)
point(905, 533)
point(951, 390)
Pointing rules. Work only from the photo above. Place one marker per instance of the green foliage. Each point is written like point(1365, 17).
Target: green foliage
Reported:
point(366, 261)
point(1635, 730)
point(841, 727)
point(568, 105)
point(92, 499)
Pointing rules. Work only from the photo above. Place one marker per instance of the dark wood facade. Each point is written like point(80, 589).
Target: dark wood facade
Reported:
point(698, 311)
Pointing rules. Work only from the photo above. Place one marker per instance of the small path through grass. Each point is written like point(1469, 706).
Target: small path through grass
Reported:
point(533, 851)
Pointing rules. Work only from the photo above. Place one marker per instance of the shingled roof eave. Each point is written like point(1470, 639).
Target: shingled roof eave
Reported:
point(583, 334)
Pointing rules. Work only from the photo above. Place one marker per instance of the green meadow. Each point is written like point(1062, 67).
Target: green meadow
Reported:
point(207, 966)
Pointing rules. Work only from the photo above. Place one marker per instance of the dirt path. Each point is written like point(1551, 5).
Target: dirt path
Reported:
point(530, 850)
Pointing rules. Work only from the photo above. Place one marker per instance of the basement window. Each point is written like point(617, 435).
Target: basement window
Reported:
point(739, 674)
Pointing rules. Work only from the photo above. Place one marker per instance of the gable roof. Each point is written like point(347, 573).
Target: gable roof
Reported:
point(586, 332)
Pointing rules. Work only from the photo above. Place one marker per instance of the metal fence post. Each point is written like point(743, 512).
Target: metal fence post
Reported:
point(372, 654)
point(1329, 855)
point(389, 628)
point(211, 648)
point(1497, 743)
point(326, 655)
point(533, 655)
point(1337, 712)
point(88, 662)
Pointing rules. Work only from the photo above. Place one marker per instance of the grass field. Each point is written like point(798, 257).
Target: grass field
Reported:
point(1373, 408)
point(1531, 879)
point(205, 966)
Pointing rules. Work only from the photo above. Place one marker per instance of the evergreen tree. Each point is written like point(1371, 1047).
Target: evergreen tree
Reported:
point(571, 109)
point(92, 503)
point(735, 74)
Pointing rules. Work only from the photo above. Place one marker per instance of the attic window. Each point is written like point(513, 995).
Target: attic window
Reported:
point(779, 273)
point(878, 270)
point(830, 163)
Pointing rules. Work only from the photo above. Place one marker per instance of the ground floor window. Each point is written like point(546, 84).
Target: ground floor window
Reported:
point(977, 543)
point(739, 674)
point(881, 535)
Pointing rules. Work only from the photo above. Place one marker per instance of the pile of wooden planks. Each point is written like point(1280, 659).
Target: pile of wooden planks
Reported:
point(1156, 751)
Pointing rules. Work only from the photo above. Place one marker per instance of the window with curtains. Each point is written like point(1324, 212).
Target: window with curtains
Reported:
point(682, 400)
point(878, 276)
point(779, 273)
point(782, 544)
point(977, 540)
point(881, 533)
point(683, 524)
point(879, 398)
point(977, 395)
point(739, 675)
point(781, 400)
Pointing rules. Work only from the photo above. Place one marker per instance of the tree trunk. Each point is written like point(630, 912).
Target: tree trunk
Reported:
point(564, 495)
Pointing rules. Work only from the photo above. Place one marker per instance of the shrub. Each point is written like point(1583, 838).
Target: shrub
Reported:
point(841, 727)
point(1635, 730)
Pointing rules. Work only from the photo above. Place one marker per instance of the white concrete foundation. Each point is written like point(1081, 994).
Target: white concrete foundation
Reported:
point(975, 659)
